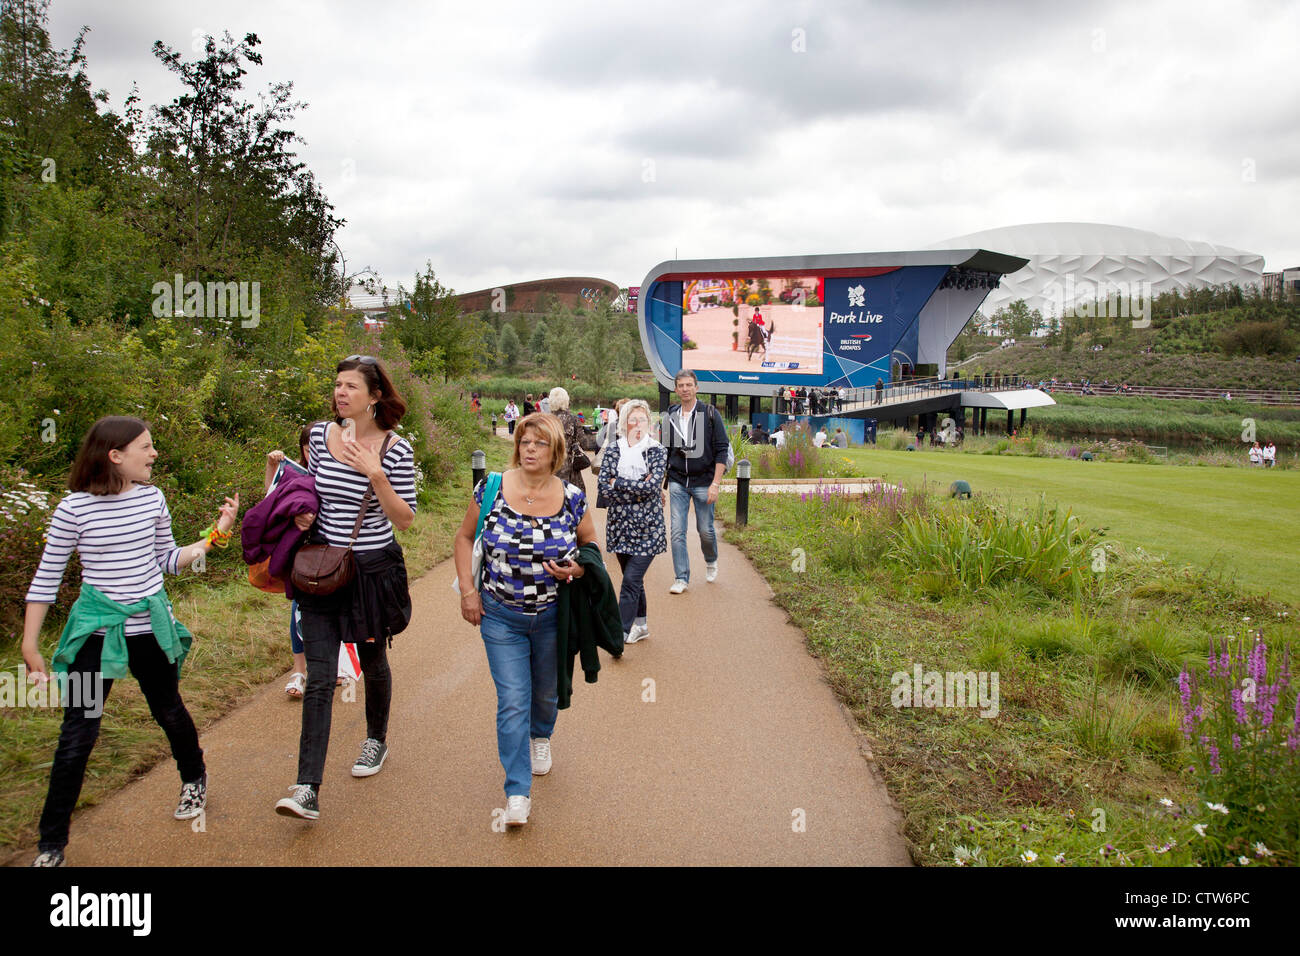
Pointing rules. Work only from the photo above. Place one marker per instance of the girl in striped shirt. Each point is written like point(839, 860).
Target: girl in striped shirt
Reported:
point(120, 527)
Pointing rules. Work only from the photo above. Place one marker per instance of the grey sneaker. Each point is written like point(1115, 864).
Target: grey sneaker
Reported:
point(541, 754)
point(639, 632)
point(517, 810)
point(50, 858)
point(303, 803)
point(678, 587)
point(194, 797)
point(373, 755)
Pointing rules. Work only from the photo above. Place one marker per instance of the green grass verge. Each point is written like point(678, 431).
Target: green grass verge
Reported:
point(241, 641)
point(1086, 742)
point(1243, 524)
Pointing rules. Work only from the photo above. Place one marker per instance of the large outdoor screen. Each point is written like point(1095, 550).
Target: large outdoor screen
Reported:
point(771, 324)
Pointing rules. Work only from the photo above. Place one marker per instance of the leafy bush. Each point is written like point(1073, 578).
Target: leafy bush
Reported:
point(1256, 338)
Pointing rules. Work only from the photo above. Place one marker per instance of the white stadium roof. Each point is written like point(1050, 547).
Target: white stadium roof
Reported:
point(1075, 261)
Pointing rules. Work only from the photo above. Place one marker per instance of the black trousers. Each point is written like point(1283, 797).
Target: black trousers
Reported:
point(158, 682)
point(321, 640)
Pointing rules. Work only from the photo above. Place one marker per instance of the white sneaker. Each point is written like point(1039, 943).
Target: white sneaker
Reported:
point(517, 811)
point(541, 754)
point(711, 572)
point(637, 633)
point(678, 587)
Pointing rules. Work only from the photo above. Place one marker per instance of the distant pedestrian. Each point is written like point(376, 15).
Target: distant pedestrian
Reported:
point(696, 438)
point(1256, 455)
point(880, 390)
point(576, 438)
point(529, 407)
point(511, 415)
point(1270, 455)
point(631, 476)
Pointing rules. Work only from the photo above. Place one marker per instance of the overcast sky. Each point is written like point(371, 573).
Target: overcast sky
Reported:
point(510, 141)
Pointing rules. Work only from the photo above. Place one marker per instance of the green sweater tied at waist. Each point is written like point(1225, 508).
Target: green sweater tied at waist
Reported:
point(94, 610)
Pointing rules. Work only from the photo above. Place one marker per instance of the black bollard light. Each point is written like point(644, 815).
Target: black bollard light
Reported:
point(478, 465)
point(742, 492)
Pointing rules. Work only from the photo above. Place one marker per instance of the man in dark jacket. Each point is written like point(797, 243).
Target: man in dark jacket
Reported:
point(696, 438)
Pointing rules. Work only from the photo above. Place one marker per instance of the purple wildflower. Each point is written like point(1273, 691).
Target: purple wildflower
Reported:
point(1238, 707)
point(1266, 702)
point(1257, 665)
point(1236, 741)
point(1214, 757)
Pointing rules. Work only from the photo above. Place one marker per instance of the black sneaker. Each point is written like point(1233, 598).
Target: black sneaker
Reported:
point(194, 796)
point(373, 755)
point(302, 804)
point(49, 858)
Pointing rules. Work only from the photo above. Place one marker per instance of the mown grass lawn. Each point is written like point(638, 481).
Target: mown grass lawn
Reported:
point(1244, 524)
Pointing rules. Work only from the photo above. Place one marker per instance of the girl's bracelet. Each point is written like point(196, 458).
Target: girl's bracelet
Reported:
point(215, 538)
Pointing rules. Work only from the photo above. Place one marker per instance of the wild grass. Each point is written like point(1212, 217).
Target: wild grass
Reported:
point(1087, 740)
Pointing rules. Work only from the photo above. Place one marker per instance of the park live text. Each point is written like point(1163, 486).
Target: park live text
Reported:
point(852, 315)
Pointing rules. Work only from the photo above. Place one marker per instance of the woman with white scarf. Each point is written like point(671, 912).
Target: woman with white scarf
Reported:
point(631, 479)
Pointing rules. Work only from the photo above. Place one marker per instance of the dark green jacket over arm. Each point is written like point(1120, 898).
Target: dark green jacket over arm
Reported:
point(586, 619)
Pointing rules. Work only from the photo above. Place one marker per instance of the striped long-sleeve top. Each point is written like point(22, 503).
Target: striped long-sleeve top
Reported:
point(342, 488)
point(124, 541)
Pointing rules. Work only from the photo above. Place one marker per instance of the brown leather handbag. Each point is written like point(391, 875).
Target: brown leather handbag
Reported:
point(322, 569)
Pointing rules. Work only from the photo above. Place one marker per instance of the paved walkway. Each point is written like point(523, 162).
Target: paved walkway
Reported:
point(743, 741)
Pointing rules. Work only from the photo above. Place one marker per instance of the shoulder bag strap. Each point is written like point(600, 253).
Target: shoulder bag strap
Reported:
point(370, 490)
point(490, 489)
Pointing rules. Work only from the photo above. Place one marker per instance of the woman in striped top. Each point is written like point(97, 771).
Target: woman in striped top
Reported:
point(346, 456)
point(120, 527)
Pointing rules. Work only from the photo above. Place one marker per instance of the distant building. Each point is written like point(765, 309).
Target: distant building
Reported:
point(1284, 285)
point(1075, 262)
point(571, 292)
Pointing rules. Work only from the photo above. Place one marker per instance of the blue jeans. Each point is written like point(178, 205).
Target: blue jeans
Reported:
point(631, 594)
point(521, 655)
point(679, 502)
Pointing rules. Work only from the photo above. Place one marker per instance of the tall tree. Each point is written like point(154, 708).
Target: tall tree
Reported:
point(228, 178)
point(430, 318)
point(509, 347)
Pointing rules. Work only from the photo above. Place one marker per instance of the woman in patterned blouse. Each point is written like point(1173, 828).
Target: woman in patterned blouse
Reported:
point(530, 539)
point(631, 479)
